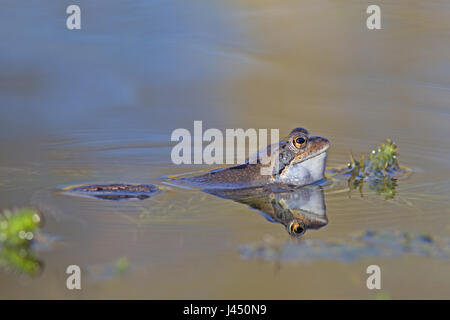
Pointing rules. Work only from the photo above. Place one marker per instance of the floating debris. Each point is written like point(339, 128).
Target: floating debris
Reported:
point(111, 270)
point(369, 244)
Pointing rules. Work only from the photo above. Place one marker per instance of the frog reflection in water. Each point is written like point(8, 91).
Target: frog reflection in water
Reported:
point(298, 209)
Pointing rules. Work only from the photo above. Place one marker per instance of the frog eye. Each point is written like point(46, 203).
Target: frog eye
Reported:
point(299, 141)
point(296, 229)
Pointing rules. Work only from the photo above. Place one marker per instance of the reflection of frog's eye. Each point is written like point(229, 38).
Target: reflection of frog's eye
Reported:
point(299, 142)
point(296, 229)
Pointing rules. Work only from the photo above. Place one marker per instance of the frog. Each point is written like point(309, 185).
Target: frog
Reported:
point(297, 160)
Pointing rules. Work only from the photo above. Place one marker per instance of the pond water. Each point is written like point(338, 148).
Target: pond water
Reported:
point(98, 105)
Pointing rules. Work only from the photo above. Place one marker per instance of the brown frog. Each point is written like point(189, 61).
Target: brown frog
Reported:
point(297, 160)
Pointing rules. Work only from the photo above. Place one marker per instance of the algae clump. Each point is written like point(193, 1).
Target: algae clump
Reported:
point(380, 170)
point(17, 231)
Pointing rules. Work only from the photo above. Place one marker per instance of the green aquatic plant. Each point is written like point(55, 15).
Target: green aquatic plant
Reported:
point(384, 186)
point(382, 162)
point(111, 270)
point(121, 266)
point(383, 296)
point(380, 170)
point(20, 260)
point(17, 232)
point(17, 228)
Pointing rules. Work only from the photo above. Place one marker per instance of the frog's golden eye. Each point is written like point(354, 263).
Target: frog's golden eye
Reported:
point(299, 141)
point(296, 229)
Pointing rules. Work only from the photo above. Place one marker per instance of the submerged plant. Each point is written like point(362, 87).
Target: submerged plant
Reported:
point(121, 265)
point(17, 232)
point(104, 271)
point(361, 245)
point(20, 260)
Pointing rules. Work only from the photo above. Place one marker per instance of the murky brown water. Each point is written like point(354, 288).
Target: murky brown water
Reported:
point(99, 105)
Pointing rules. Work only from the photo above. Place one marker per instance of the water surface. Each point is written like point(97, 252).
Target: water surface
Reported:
point(98, 106)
